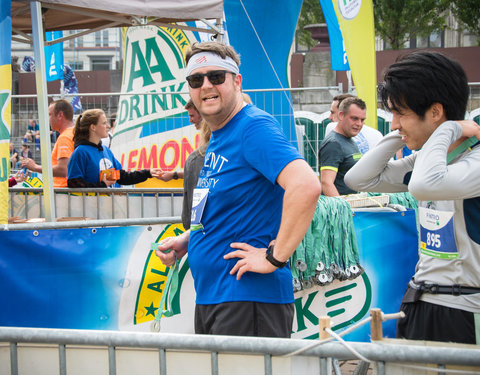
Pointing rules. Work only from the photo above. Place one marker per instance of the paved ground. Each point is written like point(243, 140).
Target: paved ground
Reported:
point(348, 367)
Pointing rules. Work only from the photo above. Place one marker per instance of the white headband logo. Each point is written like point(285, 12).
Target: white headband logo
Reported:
point(203, 59)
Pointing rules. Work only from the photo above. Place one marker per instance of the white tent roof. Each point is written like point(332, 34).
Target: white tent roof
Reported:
point(88, 14)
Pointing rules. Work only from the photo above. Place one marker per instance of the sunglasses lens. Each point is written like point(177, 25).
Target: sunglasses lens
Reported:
point(195, 80)
point(216, 77)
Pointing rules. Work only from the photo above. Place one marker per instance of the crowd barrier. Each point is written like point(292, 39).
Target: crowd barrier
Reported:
point(60, 351)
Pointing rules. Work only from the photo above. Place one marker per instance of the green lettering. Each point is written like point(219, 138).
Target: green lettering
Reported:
point(158, 272)
point(304, 312)
point(160, 99)
point(143, 71)
point(4, 175)
point(134, 101)
point(123, 113)
point(161, 67)
point(177, 97)
point(156, 287)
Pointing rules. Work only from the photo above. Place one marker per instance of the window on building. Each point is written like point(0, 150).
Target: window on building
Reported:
point(98, 39)
point(100, 62)
point(434, 40)
point(76, 65)
point(105, 38)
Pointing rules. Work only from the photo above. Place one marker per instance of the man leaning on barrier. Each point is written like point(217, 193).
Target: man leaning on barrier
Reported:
point(427, 94)
point(254, 188)
point(60, 115)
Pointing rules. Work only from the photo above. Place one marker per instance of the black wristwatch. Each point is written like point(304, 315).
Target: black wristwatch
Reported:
point(175, 175)
point(272, 259)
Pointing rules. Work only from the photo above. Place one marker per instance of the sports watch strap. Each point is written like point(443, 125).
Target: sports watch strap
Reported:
point(272, 259)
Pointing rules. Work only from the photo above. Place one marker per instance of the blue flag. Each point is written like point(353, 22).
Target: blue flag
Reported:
point(338, 55)
point(54, 57)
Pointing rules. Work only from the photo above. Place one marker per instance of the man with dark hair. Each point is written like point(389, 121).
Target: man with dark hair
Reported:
point(338, 152)
point(368, 136)
point(254, 192)
point(60, 114)
point(427, 94)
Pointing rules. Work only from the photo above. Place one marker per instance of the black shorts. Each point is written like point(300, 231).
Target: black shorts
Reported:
point(427, 321)
point(245, 319)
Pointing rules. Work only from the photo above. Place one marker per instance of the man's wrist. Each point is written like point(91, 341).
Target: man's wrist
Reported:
point(271, 258)
point(175, 175)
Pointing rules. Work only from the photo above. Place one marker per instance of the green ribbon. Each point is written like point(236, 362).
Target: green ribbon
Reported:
point(169, 292)
point(465, 145)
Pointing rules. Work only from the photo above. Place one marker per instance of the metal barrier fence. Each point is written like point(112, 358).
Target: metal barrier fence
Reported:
point(61, 351)
point(314, 99)
point(121, 203)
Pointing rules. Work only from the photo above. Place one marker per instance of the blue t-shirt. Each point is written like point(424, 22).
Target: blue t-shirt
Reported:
point(244, 204)
point(87, 161)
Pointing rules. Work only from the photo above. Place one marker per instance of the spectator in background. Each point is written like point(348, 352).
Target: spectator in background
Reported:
point(91, 163)
point(32, 134)
point(107, 141)
point(338, 152)
point(193, 166)
point(60, 115)
point(195, 119)
point(25, 154)
point(13, 156)
point(368, 136)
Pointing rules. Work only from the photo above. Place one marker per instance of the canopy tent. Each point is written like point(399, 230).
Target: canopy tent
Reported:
point(36, 17)
point(92, 14)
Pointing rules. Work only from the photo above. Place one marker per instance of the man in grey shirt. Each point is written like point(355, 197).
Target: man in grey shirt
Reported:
point(427, 94)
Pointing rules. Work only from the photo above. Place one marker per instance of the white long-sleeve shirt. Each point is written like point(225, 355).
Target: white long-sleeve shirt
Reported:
point(449, 207)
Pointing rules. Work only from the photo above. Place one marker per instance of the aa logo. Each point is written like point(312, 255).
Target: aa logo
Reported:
point(154, 278)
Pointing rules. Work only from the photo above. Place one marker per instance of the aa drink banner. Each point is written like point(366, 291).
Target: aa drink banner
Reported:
point(355, 18)
point(110, 279)
point(5, 105)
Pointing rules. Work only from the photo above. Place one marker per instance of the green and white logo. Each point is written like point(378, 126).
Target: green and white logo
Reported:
point(349, 9)
point(345, 302)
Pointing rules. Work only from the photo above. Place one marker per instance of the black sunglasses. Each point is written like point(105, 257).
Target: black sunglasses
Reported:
point(216, 77)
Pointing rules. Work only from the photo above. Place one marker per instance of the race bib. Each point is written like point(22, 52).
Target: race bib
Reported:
point(198, 204)
point(437, 236)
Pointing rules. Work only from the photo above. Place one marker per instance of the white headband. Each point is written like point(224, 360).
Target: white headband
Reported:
point(202, 59)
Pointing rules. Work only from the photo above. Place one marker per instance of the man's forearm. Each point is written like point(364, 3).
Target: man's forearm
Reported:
point(298, 209)
point(329, 190)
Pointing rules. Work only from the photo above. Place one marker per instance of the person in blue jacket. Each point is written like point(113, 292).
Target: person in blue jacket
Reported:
point(91, 163)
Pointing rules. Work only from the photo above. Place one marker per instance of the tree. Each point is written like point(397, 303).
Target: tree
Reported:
point(311, 13)
point(396, 21)
point(467, 12)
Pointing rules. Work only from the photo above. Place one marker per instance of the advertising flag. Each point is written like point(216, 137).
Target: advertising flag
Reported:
point(355, 18)
point(338, 55)
point(5, 105)
point(54, 56)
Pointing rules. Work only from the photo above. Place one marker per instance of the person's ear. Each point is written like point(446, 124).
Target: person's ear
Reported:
point(437, 112)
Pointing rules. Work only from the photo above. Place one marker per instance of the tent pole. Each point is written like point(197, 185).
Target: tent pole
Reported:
point(42, 102)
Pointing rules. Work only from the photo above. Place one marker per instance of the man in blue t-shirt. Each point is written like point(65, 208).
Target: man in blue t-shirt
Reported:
point(254, 192)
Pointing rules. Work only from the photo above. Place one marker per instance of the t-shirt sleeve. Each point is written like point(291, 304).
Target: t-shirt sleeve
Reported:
point(330, 155)
point(76, 165)
point(266, 148)
point(64, 147)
